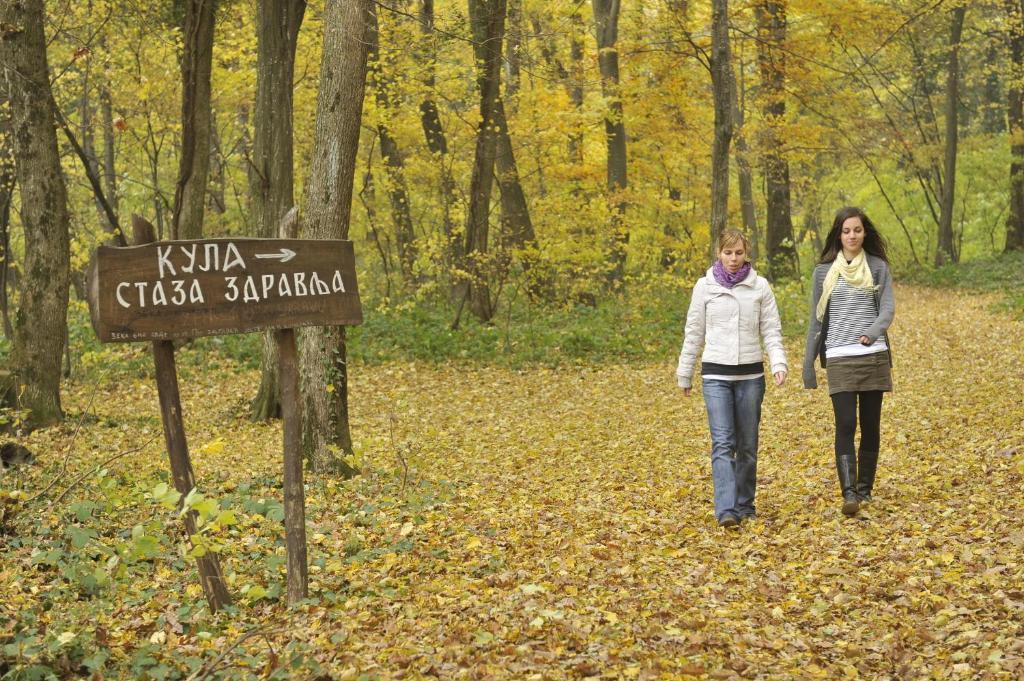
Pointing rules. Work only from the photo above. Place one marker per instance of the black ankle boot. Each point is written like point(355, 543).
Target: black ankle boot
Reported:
point(867, 462)
point(846, 467)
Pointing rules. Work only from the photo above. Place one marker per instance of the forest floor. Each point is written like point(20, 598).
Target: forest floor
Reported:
point(547, 523)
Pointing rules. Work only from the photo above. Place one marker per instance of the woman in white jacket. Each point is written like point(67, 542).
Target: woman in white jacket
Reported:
point(732, 311)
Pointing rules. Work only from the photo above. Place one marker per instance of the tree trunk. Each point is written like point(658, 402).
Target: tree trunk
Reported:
point(196, 120)
point(8, 182)
point(41, 320)
point(517, 228)
point(992, 116)
point(1015, 102)
point(743, 172)
point(781, 251)
point(946, 251)
point(153, 156)
point(327, 203)
point(576, 76)
point(394, 165)
point(488, 20)
point(243, 148)
point(606, 16)
point(271, 174)
point(812, 226)
point(513, 47)
point(87, 136)
point(109, 169)
point(721, 84)
point(217, 178)
point(367, 196)
point(437, 143)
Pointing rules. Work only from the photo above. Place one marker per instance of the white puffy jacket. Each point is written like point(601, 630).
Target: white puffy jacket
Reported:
point(730, 324)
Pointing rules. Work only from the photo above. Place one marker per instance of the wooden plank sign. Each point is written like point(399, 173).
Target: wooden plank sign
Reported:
point(187, 289)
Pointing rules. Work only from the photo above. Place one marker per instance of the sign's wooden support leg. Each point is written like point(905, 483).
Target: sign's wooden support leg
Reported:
point(210, 574)
point(294, 493)
point(181, 467)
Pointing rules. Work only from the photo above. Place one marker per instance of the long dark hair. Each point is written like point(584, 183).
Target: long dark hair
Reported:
point(874, 242)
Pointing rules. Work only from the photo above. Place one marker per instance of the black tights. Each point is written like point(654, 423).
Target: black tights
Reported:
point(845, 407)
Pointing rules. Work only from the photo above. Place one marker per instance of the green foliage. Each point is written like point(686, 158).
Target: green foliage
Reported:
point(908, 222)
point(1001, 274)
point(643, 324)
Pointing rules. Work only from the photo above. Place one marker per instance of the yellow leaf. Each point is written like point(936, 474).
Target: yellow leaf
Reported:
point(214, 447)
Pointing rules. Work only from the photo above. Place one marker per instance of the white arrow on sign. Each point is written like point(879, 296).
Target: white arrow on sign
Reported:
point(285, 255)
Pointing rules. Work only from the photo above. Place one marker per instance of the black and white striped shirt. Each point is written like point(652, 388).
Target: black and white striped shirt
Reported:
point(850, 312)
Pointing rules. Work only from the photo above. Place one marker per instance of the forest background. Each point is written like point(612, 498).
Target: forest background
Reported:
point(528, 185)
point(524, 176)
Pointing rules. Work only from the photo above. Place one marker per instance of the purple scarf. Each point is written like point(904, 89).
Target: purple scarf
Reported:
point(727, 279)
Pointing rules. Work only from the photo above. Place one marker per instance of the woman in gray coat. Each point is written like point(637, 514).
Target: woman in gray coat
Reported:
point(852, 307)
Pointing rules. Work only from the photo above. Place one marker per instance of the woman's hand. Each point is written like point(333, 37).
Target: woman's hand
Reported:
point(864, 340)
point(780, 377)
point(687, 391)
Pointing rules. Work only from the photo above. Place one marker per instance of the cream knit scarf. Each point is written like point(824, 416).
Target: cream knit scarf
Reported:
point(856, 273)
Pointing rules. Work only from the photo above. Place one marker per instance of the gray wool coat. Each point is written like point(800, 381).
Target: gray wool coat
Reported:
point(817, 331)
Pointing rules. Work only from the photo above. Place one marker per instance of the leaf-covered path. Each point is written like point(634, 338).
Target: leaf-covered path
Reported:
point(584, 539)
point(559, 523)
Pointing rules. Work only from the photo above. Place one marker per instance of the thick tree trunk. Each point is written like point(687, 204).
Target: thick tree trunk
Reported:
point(721, 84)
point(947, 251)
point(488, 20)
point(196, 120)
point(327, 204)
point(606, 17)
point(517, 228)
point(271, 174)
point(40, 323)
point(394, 165)
point(781, 251)
point(1015, 117)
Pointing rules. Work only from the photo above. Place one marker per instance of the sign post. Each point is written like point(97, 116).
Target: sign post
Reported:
point(161, 291)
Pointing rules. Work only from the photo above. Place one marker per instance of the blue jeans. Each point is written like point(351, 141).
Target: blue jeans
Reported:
point(734, 414)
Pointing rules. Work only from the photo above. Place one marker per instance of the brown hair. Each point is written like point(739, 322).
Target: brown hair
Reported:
point(874, 242)
point(730, 236)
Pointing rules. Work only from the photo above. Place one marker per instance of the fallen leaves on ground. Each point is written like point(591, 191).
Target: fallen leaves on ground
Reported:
point(558, 523)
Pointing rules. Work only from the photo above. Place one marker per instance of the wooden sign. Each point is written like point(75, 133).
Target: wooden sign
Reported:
point(187, 289)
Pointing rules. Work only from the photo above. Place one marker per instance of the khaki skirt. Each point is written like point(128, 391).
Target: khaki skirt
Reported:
point(859, 374)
